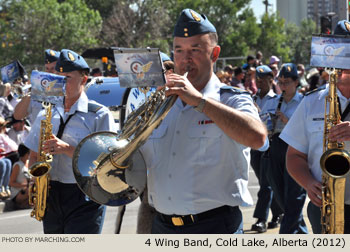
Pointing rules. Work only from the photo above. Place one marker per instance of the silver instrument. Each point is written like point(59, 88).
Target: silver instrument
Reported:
point(108, 167)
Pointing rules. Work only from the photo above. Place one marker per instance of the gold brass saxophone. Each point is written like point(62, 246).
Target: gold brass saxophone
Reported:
point(38, 192)
point(108, 167)
point(335, 164)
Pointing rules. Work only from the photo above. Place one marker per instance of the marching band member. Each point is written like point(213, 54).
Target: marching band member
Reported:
point(198, 158)
point(304, 135)
point(264, 79)
point(27, 107)
point(68, 210)
point(289, 195)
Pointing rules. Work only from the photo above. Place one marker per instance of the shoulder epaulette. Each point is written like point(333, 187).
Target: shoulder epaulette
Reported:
point(315, 90)
point(93, 107)
point(235, 90)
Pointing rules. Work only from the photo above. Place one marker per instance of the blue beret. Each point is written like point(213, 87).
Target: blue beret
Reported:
point(289, 70)
point(190, 23)
point(70, 61)
point(164, 57)
point(51, 56)
point(262, 71)
point(342, 28)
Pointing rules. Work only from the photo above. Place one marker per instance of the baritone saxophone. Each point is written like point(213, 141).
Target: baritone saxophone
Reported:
point(335, 165)
point(38, 191)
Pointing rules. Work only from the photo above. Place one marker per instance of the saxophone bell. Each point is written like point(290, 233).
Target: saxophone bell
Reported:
point(335, 165)
point(38, 191)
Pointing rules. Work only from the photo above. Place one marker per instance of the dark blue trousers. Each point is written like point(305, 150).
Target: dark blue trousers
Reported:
point(289, 195)
point(314, 214)
point(69, 211)
point(266, 200)
point(230, 222)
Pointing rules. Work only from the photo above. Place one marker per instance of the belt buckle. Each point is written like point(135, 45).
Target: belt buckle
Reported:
point(177, 221)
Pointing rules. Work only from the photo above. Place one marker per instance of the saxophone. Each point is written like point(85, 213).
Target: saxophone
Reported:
point(40, 170)
point(335, 165)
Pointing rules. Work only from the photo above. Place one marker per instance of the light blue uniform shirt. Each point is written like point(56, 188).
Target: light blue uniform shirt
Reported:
point(262, 101)
point(193, 165)
point(305, 130)
point(82, 123)
point(286, 108)
point(33, 110)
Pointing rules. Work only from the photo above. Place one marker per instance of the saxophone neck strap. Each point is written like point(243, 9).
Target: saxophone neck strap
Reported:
point(63, 125)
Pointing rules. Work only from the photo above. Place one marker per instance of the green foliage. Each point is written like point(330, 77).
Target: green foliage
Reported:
point(35, 25)
point(28, 27)
point(272, 40)
point(300, 45)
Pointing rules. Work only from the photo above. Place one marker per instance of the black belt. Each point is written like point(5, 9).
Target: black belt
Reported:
point(181, 220)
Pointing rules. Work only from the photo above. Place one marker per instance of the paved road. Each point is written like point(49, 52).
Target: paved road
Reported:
point(19, 222)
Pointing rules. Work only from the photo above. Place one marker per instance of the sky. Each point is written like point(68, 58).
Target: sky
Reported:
point(259, 8)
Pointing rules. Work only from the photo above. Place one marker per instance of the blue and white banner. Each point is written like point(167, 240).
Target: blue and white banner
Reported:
point(330, 51)
point(10, 72)
point(139, 67)
point(47, 87)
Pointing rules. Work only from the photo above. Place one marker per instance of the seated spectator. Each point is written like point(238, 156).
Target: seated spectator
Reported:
point(18, 130)
point(19, 180)
point(5, 172)
point(8, 148)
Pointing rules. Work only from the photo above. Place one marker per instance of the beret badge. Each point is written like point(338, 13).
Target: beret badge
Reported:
point(70, 56)
point(194, 15)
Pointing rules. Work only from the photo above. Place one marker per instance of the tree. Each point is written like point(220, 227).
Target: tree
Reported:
point(272, 40)
point(35, 25)
point(300, 46)
point(136, 23)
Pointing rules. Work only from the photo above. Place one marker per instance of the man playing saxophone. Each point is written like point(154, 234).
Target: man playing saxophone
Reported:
point(68, 210)
point(198, 158)
point(304, 133)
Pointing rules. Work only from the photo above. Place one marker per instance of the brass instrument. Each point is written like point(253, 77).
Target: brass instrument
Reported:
point(108, 167)
point(335, 164)
point(38, 192)
point(20, 90)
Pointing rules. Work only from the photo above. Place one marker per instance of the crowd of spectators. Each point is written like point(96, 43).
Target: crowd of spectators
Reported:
point(244, 76)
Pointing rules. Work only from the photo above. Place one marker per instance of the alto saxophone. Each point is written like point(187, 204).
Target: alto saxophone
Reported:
point(335, 165)
point(38, 192)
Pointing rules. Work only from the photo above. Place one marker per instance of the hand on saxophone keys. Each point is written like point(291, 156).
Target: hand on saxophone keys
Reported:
point(55, 146)
point(340, 132)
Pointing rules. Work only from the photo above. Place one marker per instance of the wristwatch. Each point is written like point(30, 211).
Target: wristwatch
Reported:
point(200, 105)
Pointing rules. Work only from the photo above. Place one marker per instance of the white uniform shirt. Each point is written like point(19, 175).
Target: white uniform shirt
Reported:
point(82, 123)
point(304, 131)
point(193, 165)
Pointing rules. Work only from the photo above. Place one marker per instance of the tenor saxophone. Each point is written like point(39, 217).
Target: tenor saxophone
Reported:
point(335, 165)
point(38, 191)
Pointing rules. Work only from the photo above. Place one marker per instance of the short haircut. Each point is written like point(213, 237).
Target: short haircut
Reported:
point(214, 37)
point(238, 71)
point(250, 57)
point(22, 150)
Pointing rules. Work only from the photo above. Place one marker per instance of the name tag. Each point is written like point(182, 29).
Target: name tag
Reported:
point(318, 119)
